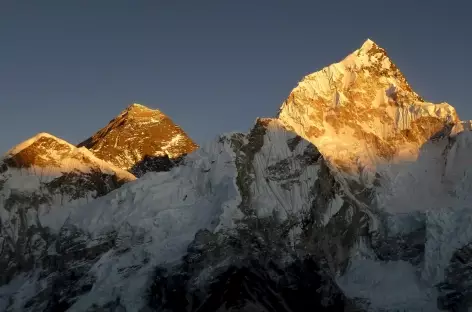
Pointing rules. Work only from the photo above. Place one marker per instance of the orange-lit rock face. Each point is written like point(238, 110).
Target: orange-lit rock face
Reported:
point(136, 133)
point(362, 110)
point(48, 155)
point(44, 152)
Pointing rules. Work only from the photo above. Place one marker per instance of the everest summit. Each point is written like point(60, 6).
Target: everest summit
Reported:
point(137, 135)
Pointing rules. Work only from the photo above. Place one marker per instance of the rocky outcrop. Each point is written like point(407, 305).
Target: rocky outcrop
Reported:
point(247, 284)
point(156, 164)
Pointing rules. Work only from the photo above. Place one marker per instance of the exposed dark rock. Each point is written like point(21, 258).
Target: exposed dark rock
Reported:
point(456, 290)
point(408, 247)
point(292, 143)
point(77, 184)
point(155, 164)
point(248, 284)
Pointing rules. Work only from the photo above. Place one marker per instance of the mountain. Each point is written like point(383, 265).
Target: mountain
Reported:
point(49, 164)
point(139, 134)
point(39, 178)
point(356, 198)
point(51, 155)
point(362, 111)
point(123, 250)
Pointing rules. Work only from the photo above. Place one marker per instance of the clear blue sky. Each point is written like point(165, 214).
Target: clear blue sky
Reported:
point(68, 67)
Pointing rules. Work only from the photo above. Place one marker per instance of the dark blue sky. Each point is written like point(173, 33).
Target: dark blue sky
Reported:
point(68, 67)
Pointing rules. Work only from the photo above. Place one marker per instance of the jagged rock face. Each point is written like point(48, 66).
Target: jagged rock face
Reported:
point(362, 110)
point(136, 133)
point(30, 208)
point(37, 240)
point(250, 286)
point(156, 164)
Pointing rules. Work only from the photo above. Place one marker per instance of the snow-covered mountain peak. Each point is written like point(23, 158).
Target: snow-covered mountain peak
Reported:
point(362, 110)
point(40, 136)
point(368, 44)
point(136, 109)
point(138, 106)
point(369, 47)
point(54, 156)
point(137, 133)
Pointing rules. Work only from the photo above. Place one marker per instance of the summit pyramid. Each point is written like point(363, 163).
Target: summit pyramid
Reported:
point(362, 111)
point(136, 133)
